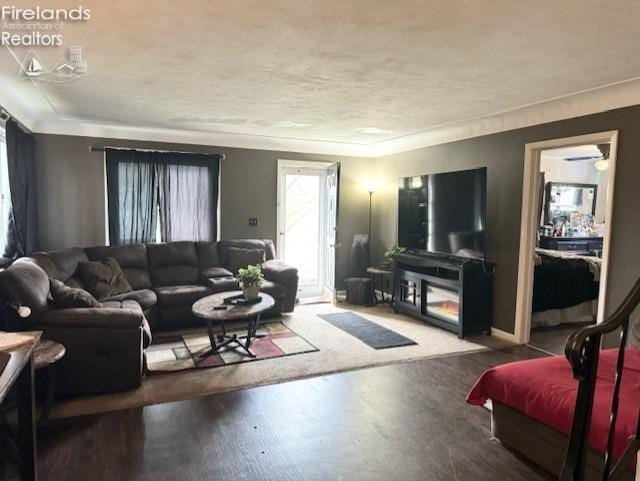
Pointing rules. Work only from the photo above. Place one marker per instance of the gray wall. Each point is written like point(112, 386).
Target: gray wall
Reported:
point(72, 201)
point(72, 195)
point(503, 155)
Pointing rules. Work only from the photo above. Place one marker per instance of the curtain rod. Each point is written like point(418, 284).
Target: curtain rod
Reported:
point(93, 148)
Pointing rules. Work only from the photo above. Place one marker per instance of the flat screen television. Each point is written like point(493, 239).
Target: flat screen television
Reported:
point(444, 213)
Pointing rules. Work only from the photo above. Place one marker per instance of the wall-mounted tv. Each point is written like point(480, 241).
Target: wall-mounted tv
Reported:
point(444, 213)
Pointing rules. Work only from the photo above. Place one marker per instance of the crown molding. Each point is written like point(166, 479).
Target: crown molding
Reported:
point(592, 101)
point(609, 97)
point(15, 110)
point(218, 139)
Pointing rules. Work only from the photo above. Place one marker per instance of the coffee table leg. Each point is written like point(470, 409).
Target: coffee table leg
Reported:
point(212, 341)
point(212, 337)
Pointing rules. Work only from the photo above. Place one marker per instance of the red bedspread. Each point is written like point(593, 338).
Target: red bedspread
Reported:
point(544, 389)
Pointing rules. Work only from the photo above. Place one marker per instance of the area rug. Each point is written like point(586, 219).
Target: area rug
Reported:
point(372, 334)
point(336, 352)
point(184, 351)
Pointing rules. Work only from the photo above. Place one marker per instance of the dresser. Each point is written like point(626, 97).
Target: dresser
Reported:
point(578, 245)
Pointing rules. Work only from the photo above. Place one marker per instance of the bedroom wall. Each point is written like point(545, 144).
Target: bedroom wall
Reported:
point(72, 202)
point(503, 155)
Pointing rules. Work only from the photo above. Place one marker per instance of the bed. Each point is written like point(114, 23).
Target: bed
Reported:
point(532, 406)
point(565, 288)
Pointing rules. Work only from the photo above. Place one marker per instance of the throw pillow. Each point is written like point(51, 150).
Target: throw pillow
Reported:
point(241, 258)
point(104, 278)
point(65, 296)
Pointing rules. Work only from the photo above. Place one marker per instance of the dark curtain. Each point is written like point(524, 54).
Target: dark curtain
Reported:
point(173, 192)
point(23, 221)
point(188, 197)
point(132, 196)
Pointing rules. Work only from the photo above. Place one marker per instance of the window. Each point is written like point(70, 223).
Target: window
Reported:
point(5, 195)
point(161, 196)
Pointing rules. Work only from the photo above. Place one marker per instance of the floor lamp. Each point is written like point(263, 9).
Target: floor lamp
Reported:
point(370, 186)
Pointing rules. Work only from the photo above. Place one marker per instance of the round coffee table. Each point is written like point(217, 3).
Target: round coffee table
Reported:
point(213, 310)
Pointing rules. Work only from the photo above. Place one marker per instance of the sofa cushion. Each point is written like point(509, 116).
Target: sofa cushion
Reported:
point(104, 278)
point(274, 290)
point(263, 244)
point(132, 259)
point(207, 255)
point(222, 284)
point(145, 297)
point(65, 296)
point(171, 296)
point(240, 258)
point(25, 282)
point(174, 263)
point(66, 261)
point(213, 272)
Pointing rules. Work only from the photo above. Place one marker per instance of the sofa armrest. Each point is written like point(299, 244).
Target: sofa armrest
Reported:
point(278, 272)
point(90, 317)
point(285, 275)
point(105, 348)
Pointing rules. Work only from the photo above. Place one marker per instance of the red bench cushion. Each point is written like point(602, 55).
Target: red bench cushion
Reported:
point(544, 390)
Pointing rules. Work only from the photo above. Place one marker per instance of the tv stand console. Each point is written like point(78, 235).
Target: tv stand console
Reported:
point(454, 293)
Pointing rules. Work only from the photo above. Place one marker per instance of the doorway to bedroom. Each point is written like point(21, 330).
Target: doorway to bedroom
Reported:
point(566, 225)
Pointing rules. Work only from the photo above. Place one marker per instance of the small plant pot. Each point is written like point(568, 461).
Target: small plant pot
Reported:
point(251, 292)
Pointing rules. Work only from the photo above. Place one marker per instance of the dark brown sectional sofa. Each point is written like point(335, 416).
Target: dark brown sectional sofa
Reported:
point(105, 345)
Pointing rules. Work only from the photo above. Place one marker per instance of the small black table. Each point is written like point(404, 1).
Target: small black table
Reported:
point(205, 309)
point(378, 276)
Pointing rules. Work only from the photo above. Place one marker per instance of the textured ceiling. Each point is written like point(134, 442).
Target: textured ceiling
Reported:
point(356, 71)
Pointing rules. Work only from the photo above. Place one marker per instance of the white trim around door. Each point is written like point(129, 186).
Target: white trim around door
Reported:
point(529, 225)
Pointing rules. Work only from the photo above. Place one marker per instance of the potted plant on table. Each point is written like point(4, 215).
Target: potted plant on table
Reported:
point(251, 280)
point(388, 256)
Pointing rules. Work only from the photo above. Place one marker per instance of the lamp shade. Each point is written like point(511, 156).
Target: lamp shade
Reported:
point(371, 185)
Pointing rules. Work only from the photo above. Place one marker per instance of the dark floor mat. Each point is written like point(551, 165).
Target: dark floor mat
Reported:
point(372, 334)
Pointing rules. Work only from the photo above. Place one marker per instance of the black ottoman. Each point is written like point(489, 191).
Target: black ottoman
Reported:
point(359, 290)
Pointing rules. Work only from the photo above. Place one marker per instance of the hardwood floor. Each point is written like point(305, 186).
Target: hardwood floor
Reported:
point(553, 339)
point(400, 422)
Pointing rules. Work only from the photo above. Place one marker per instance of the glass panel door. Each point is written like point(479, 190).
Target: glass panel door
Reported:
point(301, 237)
point(332, 183)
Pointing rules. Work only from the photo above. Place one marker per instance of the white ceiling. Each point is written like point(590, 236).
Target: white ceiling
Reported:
point(349, 74)
point(576, 151)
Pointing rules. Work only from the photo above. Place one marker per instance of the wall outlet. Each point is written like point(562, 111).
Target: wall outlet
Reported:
point(253, 221)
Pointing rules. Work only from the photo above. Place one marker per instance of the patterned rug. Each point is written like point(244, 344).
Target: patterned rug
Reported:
point(183, 351)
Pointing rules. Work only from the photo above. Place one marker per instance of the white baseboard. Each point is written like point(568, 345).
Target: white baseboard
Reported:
point(500, 334)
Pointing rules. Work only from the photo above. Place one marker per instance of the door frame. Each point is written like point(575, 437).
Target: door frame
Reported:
point(529, 224)
point(303, 165)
